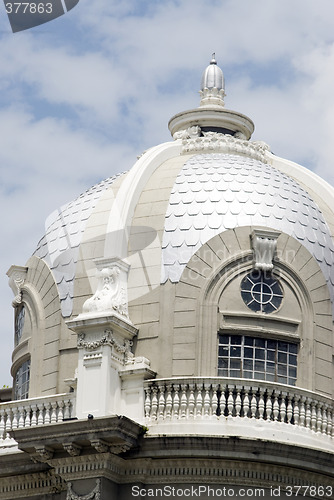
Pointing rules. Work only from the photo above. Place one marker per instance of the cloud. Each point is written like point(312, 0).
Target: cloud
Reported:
point(81, 96)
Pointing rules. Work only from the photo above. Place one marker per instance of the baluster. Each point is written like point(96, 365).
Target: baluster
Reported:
point(275, 407)
point(199, 401)
point(9, 423)
point(296, 411)
point(302, 413)
point(161, 405)
point(33, 410)
point(307, 414)
point(54, 416)
point(230, 402)
point(15, 420)
point(147, 404)
point(207, 400)
point(61, 413)
point(68, 409)
point(176, 401)
point(324, 419)
point(169, 402)
point(183, 402)
point(191, 400)
point(289, 411)
point(329, 422)
point(47, 417)
point(21, 419)
point(154, 403)
point(253, 405)
point(214, 401)
point(261, 404)
point(2, 425)
point(319, 418)
point(313, 417)
point(40, 419)
point(282, 406)
point(246, 404)
point(238, 403)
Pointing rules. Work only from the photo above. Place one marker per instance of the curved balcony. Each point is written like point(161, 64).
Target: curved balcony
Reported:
point(238, 407)
point(32, 412)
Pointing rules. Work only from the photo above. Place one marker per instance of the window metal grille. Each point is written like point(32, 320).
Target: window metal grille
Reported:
point(261, 292)
point(19, 324)
point(22, 378)
point(257, 358)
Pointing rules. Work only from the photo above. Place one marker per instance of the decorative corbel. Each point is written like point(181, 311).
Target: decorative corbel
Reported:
point(72, 449)
point(264, 245)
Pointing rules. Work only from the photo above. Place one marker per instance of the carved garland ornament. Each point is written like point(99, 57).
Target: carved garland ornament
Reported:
point(193, 140)
point(107, 339)
point(95, 494)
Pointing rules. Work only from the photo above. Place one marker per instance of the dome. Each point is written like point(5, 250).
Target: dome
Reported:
point(223, 181)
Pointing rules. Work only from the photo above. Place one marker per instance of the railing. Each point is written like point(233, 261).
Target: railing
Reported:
point(216, 400)
point(32, 412)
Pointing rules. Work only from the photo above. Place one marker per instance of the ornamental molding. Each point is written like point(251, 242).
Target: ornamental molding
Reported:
point(264, 245)
point(95, 494)
point(17, 276)
point(193, 140)
point(121, 347)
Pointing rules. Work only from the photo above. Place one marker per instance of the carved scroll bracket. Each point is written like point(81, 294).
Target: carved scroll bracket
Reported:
point(17, 276)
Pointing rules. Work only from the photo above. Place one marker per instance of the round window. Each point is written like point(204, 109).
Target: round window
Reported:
point(261, 292)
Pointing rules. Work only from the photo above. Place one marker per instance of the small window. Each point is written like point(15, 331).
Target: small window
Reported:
point(22, 377)
point(19, 323)
point(261, 292)
point(256, 358)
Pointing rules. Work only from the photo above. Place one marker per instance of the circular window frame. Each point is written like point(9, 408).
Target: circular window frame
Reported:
point(261, 292)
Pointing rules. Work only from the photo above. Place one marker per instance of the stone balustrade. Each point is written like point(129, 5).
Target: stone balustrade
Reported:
point(32, 412)
point(183, 404)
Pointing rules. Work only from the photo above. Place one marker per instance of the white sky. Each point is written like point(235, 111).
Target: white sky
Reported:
point(81, 96)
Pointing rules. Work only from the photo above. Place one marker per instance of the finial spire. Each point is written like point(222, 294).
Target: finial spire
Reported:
point(212, 85)
point(213, 59)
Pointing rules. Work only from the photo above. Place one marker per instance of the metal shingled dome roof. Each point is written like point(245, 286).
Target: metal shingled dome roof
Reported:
point(60, 245)
point(216, 192)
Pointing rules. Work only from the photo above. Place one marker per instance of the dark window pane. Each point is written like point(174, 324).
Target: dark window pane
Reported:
point(248, 352)
point(260, 354)
point(259, 375)
point(271, 355)
point(222, 363)
point(282, 357)
point(271, 344)
point(292, 359)
point(248, 364)
point(293, 348)
point(235, 363)
point(235, 352)
point(260, 342)
point(224, 339)
point(236, 340)
point(223, 351)
point(270, 367)
point(259, 365)
point(281, 369)
point(249, 341)
point(235, 373)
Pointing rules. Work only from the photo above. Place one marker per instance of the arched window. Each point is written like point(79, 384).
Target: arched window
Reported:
point(19, 323)
point(21, 384)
